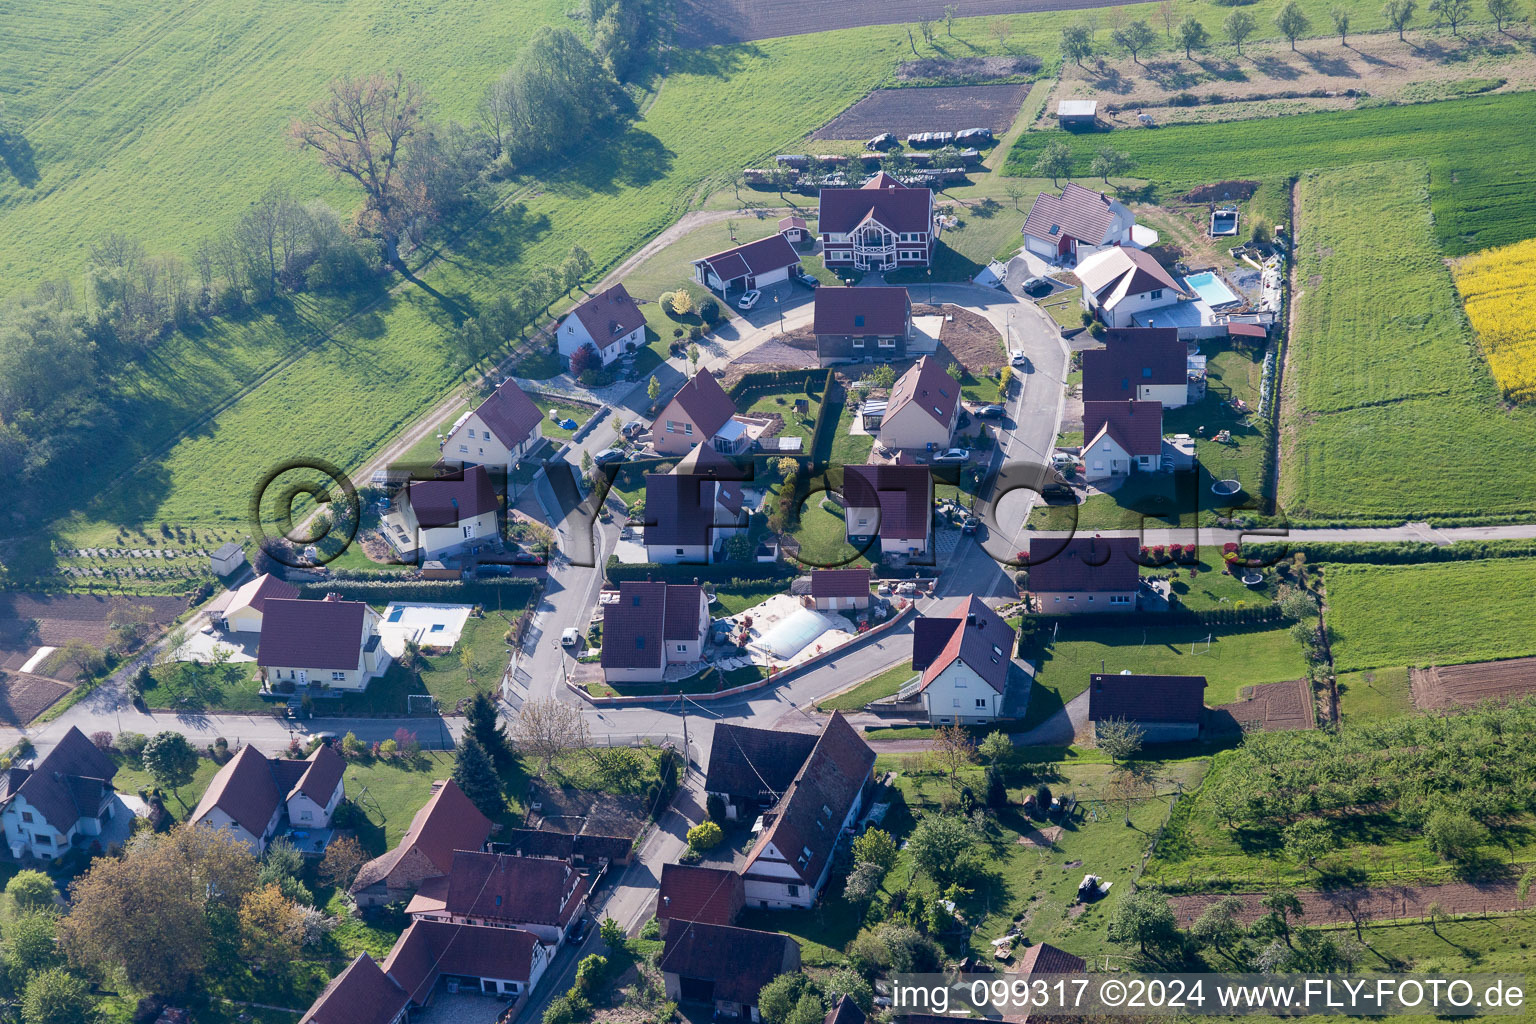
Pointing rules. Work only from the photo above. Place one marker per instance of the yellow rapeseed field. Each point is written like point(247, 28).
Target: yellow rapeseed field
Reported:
point(1498, 287)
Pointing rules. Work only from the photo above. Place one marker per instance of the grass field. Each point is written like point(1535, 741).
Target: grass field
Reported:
point(1440, 614)
point(1374, 693)
point(882, 685)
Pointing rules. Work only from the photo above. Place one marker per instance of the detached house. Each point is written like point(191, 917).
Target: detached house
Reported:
point(439, 518)
point(758, 264)
point(330, 643)
point(1120, 282)
point(840, 589)
point(1166, 708)
point(893, 503)
point(650, 626)
point(66, 797)
point(535, 895)
point(1084, 574)
point(963, 660)
point(701, 411)
point(870, 324)
point(609, 321)
point(881, 226)
point(494, 961)
point(749, 769)
point(923, 409)
point(241, 610)
point(724, 967)
point(498, 433)
point(691, 893)
point(691, 512)
point(360, 994)
point(790, 862)
point(1121, 438)
point(447, 822)
point(252, 794)
point(1076, 223)
point(1147, 364)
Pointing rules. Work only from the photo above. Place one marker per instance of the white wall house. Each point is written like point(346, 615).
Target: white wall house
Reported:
point(1076, 223)
point(962, 660)
point(329, 644)
point(1120, 282)
point(252, 795)
point(68, 794)
point(243, 609)
point(502, 430)
point(610, 321)
point(923, 408)
point(440, 518)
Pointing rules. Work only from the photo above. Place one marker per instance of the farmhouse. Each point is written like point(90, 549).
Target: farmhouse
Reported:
point(870, 324)
point(749, 769)
point(963, 660)
point(445, 823)
point(329, 644)
point(1166, 708)
point(881, 226)
point(649, 626)
point(495, 961)
point(794, 230)
point(532, 894)
point(439, 518)
point(609, 321)
point(893, 503)
point(499, 432)
point(700, 411)
point(241, 610)
point(65, 799)
point(790, 862)
point(923, 408)
point(724, 967)
point(1121, 438)
point(691, 893)
point(1120, 282)
point(758, 264)
point(1148, 364)
point(1076, 223)
point(252, 794)
point(360, 994)
point(1084, 574)
point(835, 589)
point(692, 511)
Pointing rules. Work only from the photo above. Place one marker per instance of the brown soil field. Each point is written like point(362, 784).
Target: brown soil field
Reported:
point(1379, 903)
point(940, 109)
point(966, 69)
point(1269, 80)
point(1270, 707)
point(970, 338)
point(712, 22)
point(30, 621)
point(24, 696)
point(1459, 686)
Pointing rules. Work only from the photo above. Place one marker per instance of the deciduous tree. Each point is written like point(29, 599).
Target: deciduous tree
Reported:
point(1340, 18)
point(875, 847)
point(1502, 11)
point(1192, 35)
point(953, 749)
point(1119, 738)
point(171, 760)
point(547, 729)
point(1398, 13)
point(1145, 918)
point(1452, 12)
point(1293, 22)
point(942, 845)
point(1307, 840)
point(1076, 43)
point(1134, 37)
point(271, 928)
point(57, 997)
point(1054, 162)
point(343, 859)
point(1111, 161)
point(32, 890)
point(1238, 27)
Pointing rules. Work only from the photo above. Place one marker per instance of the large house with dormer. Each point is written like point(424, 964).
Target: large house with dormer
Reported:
point(252, 794)
point(962, 660)
point(328, 644)
point(882, 225)
point(923, 410)
point(65, 798)
point(610, 321)
point(1076, 223)
point(649, 626)
point(497, 433)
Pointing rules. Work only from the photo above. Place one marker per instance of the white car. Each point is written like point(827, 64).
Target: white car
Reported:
point(952, 455)
point(748, 300)
point(571, 637)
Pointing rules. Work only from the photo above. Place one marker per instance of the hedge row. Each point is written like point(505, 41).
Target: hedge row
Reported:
point(772, 380)
point(832, 401)
point(1259, 615)
point(1390, 553)
point(508, 594)
point(732, 574)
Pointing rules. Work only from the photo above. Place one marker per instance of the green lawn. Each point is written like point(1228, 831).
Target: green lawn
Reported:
point(782, 401)
point(578, 411)
point(882, 685)
point(735, 600)
point(709, 680)
point(1374, 693)
point(132, 777)
point(445, 675)
point(1210, 587)
point(1066, 308)
point(189, 686)
point(850, 449)
point(823, 536)
point(1440, 614)
point(389, 792)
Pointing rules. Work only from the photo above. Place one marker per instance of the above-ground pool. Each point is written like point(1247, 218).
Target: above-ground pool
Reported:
point(1211, 289)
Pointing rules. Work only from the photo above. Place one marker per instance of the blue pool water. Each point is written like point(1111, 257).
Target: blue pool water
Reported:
point(1212, 289)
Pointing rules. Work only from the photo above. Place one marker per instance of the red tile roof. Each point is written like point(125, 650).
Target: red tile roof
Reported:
point(244, 789)
point(323, 770)
point(1085, 564)
point(845, 1012)
point(680, 508)
point(840, 583)
point(609, 315)
point(360, 994)
point(637, 627)
point(510, 414)
point(704, 402)
point(881, 199)
point(257, 592)
point(518, 890)
point(739, 961)
point(1133, 357)
point(445, 823)
point(326, 635)
point(1146, 698)
point(786, 223)
point(928, 387)
point(1247, 330)
point(904, 495)
point(1047, 959)
point(757, 258)
point(690, 893)
point(451, 499)
point(973, 635)
point(882, 309)
point(1135, 426)
point(1078, 213)
point(429, 949)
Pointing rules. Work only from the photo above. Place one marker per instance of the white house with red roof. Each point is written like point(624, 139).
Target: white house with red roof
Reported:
point(893, 504)
point(1076, 223)
point(962, 660)
point(1084, 574)
point(1120, 282)
point(66, 797)
point(758, 264)
point(497, 433)
point(648, 627)
point(610, 321)
point(923, 409)
point(438, 518)
point(252, 794)
point(242, 609)
point(699, 412)
point(328, 644)
point(692, 511)
point(881, 225)
point(794, 229)
point(1121, 438)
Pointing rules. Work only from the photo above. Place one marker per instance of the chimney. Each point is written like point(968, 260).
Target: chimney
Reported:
point(332, 596)
point(1151, 324)
point(1130, 407)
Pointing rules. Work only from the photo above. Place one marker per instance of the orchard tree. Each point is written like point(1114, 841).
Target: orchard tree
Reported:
point(1398, 13)
point(1055, 161)
point(1280, 906)
point(1134, 38)
point(1145, 918)
point(1076, 43)
point(1307, 840)
point(1502, 11)
point(1111, 161)
point(1452, 12)
point(1119, 738)
point(954, 749)
point(32, 890)
point(1340, 18)
point(1239, 26)
point(942, 845)
point(548, 729)
point(1192, 35)
point(875, 847)
point(1293, 22)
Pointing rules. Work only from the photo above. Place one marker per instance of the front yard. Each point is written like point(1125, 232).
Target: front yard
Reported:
point(872, 689)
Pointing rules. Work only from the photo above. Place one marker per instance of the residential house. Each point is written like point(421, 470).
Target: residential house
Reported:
point(792, 857)
point(361, 994)
point(840, 589)
point(1084, 574)
point(701, 411)
point(1120, 282)
point(447, 822)
point(691, 512)
point(867, 324)
point(1076, 223)
point(495, 961)
point(845, 1012)
point(609, 321)
point(893, 503)
point(767, 261)
point(749, 769)
point(650, 626)
point(440, 518)
point(580, 850)
point(251, 795)
point(498, 433)
point(65, 798)
point(1166, 708)
point(1145, 364)
point(532, 894)
point(963, 659)
point(689, 893)
point(330, 643)
point(923, 409)
point(227, 559)
point(880, 226)
point(724, 967)
point(1040, 962)
point(794, 230)
point(1121, 438)
point(241, 610)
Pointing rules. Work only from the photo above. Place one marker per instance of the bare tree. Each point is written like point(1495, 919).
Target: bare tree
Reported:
point(950, 10)
point(1001, 27)
point(1502, 11)
point(925, 29)
point(1452, 12)
point(495, 111)
point(954, 749)
point(1119, 738)
point(546, 729)
point(1398, 14)
point(1015, 191)
point(1166, 12)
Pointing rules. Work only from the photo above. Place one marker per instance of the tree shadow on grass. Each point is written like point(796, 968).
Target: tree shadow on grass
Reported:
point(16, 153)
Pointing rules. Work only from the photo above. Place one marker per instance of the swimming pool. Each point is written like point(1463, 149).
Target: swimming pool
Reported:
point(1211, 289)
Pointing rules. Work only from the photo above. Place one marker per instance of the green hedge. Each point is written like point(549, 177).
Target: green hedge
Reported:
point(1390, 553)
point(734, 574)
point(772, 380)
point(833, 398)
point(508, 594)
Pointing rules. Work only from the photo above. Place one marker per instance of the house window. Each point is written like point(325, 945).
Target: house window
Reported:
point(687, 428)
point(959, 684)
point(679, 552)
point(887, 342)
point(671, 427)
point(858, 320)
point(794, 890)
point(471, 433)
point(26, 816)
point(464, 448)
point(338, 677)
point(682, 648)
point(858, 342)
point(1146, 371)
point(304, 815)
point(1119, 599)
point(42, 839)
point(1156, 293)
point(981, 702)
point(955, 702)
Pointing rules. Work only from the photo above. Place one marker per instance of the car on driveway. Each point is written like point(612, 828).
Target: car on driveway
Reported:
point(990, 412)
point(1035, 287)
point(952, 455)
point(809, 281)
point(1019, 359)
point(749, 299)
point(608, 455)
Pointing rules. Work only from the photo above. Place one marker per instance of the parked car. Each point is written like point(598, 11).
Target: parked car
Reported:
point(527, 558)
point(952, 455)
point(570, 637)
point(749, 299)
point(608, 455)
point(1036, 287)
point(1061, 460)
point(968, 524)
point(990, 412)
point(580, 931)
point(809, 281)
point(634, 428)
point(1019, 359)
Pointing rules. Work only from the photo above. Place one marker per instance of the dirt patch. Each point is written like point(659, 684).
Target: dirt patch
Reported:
point(1271, 707)
point(1459, 686)
point(1379, 903)
point(1042, 837)
point(941, 109)
point(969, 337)
point(24, 696)
point(1221, 192)
point(966, 69)
point(29, 621)
point(713, 22)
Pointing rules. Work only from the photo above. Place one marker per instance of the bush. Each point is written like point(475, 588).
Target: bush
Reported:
point(705, 836)
point(709, 309)
point(32, 890)
point(1184, 99)
point(131, 744)
point(715, 807)
point(102, 740)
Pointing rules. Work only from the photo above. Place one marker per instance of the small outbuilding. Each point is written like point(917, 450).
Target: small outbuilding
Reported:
point(227, 559)
point(1165, 708)
point(1077, 113)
